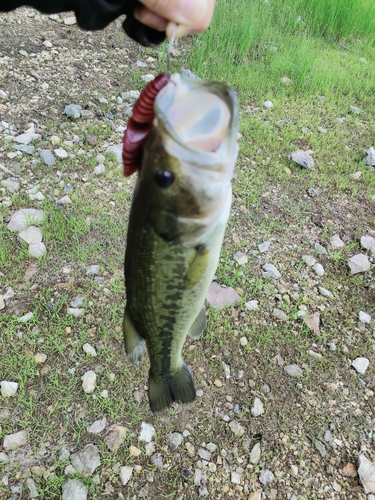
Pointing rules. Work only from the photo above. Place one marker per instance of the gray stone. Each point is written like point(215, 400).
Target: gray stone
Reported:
point(147, 432)
point(125, 474)
point(263, 247)
point(268, 104)
point(360, 364)
point(370, 158)
point(293, 370)
point(24, 218)
point(318, 445)
point(4, 458)
point(336, 242)
point(27, 138)
point(257, 408)
point(72, 111)
point(26, 317)
point(211, 447)
point(65, 200)
point(31, 486)
point(252, 305)
point(254, 456)
point(312, 192)
point(89, 382)
point(32, 235)
point(60, 153)
point(117, 151)
point(356, 176)
point(77, 301)
point(364, 317)
point(226, 369)
point(235, 477)
point(13, 441)
point(99, 169)
point(326, 293)
point(271, 271)
point(368, 243)
point(204, 454)
point(157, 460)
point(319, 249)
point(73, 489)
point(93, 270)
point(327, 435)
point(309, 260)
point(198, 474)
point(175, 440)
point(237, 429)
point(89, 350)
point(8, 389)
point(77, 312)
point(318, 269)
point(11, 185)
point(37, 250)
point(306, 131)
point(359, 264)
point(25, 149)
point(302, 158)
point(266, 477)
point(148, 78)
point(240, 258)
point(279, 314)
point(366, 473)
point(219, 297)
point(47, 157)
point(355, 110)
point(86, 461)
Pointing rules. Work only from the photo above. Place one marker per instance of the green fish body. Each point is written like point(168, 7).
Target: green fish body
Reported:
point(177, 220)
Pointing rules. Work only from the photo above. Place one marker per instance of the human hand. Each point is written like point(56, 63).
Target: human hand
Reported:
point(191, 16)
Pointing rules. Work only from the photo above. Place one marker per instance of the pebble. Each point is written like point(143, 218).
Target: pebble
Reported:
point(4, 458)
point(254, 456)
point(99, 169)
point(293, 370)
point(359, 264)
point(40, 357)
point(47, 157)
point(24, 218)
point(326, 293)
point(148, 78)
point(11, 185)
point(271, 271)
point(98, 426)
point(37, 250)
point(312, 192)
point(175, 440)
point(364, 317)
point(302, 158)
point(204, 454)
point(252, 305)
point(115, 437)
point(336, 242)
point(25, 149)
point(237, 429)
point(27, 138)
point(89, 382)
point(318, 269)
point(240, 258)
point(236, 478)
point(268, 104)
point(8, 389)
point(360, 364)
point(257, 408)
point(30, 236)
point(319, 249)
point(370, 158)
point(266, 476)
point(65, 200)
point(89, 350)
point(72, 111)
point(73, 489)
point(13, 441)
point(26, 317)
point(279, 314)
point(77, 312)
point(255, 495)
point(147, 432)
point(117, 151)
point(134, 451)
point(243, 341)
point(157, 460)
point(87, 460)
point(219, 297)
point(356, 176)
point(263, 247)
point(366, 472)
point(349, 470)
point(60, 153)
point(218, 383)
point(125, 474)
point(355, 110)
point(368, 243)
point(309, 260)
point(190, 449)
point(312, 321)
point(93, 270)
point(69, 21)
point(322, 130)
point(226, 369)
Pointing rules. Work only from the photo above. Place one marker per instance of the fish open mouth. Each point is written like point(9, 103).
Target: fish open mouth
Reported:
point(200, 119)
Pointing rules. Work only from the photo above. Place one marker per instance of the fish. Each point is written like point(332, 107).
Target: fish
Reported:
point(178, 215)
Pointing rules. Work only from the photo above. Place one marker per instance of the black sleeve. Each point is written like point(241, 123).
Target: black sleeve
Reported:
point(95, 15)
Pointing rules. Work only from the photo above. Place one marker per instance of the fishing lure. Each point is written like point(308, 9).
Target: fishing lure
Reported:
point(140, 124)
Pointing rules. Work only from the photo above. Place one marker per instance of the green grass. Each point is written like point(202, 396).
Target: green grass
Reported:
point(317, 44)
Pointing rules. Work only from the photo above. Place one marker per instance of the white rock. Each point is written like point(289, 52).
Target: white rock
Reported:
point(40, 357)
point(252, 305)
point(60, 153)
point(268, 104)
point(26, 317)
point(359, 264)
point(147, 432)
point(89, 382)
point(243, 341)
point(263, 247)
point(241, 258)
point(99, 169)
point(116, 150)
point(271, 271)
point(98, 426)
point(89, 350)
point(125, 474)
point(318, 269)
point(11, 185)
point(368, 243)
point(255, 454)
point(8, 389)
point(302, 158)
point(13, 441)
point(366, 472)
point(364, 317)
point(30, 235)
point(257, 407)
point(360, 365)
point(27, 138)
point(148, 78)
point(24, 218)
point(37, 250)
point(77, 312)
point(73, 489)
point(93, 270)
point(326, 293)
point(69, 21)
point(370, 158)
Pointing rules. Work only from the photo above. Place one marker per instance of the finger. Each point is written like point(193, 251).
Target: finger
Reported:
point(190, 13)
point(151, 19)
point(183, 30)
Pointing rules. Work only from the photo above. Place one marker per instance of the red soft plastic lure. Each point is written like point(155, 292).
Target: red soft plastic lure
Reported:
point(140, 124)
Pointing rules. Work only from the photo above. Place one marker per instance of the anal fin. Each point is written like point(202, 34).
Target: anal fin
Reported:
point(177, 387)
point(199, 324)
point(134, 343)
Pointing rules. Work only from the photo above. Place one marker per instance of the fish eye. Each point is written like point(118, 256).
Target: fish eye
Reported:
point(164, 178)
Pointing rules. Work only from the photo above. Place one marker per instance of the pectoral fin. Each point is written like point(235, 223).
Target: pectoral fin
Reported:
point(197, 266)
point(134, 343)
point(199, 324)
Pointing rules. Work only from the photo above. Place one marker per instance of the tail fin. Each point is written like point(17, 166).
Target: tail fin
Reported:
point(177, 387)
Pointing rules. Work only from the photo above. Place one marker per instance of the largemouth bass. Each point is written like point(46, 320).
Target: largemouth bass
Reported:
point(177, 220)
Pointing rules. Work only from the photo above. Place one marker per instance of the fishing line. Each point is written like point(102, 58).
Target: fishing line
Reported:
point(170, 47)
